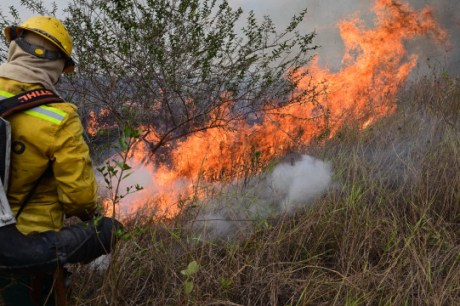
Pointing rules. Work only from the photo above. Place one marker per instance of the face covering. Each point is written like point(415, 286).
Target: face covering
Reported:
point(27, 68)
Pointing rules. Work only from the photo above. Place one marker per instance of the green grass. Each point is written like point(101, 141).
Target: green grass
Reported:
point(387, 233)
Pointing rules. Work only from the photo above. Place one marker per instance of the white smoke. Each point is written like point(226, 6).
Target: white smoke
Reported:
point(132, 199)
point(290, 186)
point(301, 182)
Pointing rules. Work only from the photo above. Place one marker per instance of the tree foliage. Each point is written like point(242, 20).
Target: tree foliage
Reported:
point(180, 66)
point(5, 21)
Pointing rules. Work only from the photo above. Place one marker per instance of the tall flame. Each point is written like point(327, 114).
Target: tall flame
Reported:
point(374, 64)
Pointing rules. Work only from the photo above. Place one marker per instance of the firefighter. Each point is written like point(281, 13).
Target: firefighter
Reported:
point(50, 161)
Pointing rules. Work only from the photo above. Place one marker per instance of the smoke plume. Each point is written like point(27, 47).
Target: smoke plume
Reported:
point(290, 186)
point(298, 183)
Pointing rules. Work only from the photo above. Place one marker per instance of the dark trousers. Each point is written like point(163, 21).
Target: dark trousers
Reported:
point(25, 290)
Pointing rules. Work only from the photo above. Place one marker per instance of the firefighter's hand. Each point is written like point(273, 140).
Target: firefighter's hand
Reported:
point(90, 215)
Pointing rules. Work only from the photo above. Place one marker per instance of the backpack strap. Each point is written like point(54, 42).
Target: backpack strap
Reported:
point(26, 100)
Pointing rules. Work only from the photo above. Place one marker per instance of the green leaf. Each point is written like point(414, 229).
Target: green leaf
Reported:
point(188, 286)
point(123, 166)
point(225, 283)
point(192, 268)
point(123, 144)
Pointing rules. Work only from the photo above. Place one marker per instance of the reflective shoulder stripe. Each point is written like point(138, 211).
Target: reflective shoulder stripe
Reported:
point(5, 94)
point(47, 113)
point(44, 112)
point(54, 110)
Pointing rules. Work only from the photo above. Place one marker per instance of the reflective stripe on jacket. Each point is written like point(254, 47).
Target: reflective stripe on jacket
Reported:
point(48, 137)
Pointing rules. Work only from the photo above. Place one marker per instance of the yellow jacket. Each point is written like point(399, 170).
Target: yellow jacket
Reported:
point(48, 136)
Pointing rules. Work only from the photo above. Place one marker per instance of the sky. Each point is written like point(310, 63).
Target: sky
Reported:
point(323, 16)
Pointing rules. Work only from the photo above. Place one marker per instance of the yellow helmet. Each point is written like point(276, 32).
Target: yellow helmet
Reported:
point(51, 29)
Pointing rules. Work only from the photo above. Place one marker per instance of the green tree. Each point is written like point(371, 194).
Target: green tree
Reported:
point(11, 18)
point(181, 66)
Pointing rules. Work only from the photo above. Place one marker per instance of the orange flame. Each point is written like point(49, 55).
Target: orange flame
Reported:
point(93, 125)
point(375, 63)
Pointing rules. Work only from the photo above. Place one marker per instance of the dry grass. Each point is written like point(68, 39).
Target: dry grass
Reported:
point(387, 234)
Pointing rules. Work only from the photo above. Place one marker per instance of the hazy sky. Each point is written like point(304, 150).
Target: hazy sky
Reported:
point(323, 16)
